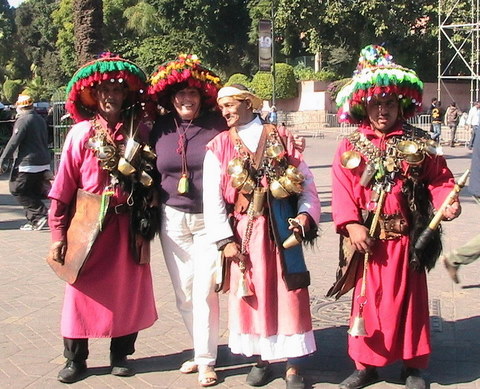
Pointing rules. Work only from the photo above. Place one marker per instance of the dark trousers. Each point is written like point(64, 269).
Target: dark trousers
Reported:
point(77, 349)
point(29, 189)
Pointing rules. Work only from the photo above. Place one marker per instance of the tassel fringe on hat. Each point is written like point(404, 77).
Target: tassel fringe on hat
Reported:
point(81, 103)
point(377, 74)
point(186, 69)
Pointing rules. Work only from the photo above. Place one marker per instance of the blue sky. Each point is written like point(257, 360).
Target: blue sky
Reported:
point(15, 3)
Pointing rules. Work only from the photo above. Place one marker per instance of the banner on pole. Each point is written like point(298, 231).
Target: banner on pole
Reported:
point(265, 45)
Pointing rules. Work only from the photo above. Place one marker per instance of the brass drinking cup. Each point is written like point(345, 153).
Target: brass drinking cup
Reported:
point(350, 159)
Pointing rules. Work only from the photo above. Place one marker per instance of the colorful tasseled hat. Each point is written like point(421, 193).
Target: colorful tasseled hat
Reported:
point(81, 103)
point(185, 70)
point(377, 74)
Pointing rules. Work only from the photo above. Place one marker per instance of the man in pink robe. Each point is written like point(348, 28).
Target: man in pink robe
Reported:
point(113, 294)
point(374, 171)
point(273, 321)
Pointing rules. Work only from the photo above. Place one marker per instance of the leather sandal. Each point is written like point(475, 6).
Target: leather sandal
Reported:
point(207, 376)
point(188, 367)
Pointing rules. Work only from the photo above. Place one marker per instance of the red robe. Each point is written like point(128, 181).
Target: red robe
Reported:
point(396, 313)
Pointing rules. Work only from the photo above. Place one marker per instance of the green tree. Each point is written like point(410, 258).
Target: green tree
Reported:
point(62, 18)
point(239, 78)
point(285, 83)
point(35, 38)
point(11, 90)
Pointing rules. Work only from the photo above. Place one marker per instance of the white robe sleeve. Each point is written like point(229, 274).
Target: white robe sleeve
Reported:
point(214, 209)
point(308, 200)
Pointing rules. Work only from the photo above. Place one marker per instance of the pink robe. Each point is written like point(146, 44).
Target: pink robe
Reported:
point(272, 312)
point(113, 295)
point(396, 314)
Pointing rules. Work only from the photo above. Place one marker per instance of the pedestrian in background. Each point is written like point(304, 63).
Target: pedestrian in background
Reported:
point(30, 175)
point(436, 117)
point(452, 117)
point(473, 121)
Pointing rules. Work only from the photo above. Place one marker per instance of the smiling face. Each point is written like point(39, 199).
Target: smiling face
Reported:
point(187, 103)
point(236, 112)
point(110, 97)
point(383, 112)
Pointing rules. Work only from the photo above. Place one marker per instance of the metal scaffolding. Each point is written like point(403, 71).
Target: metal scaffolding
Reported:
point(459, 44)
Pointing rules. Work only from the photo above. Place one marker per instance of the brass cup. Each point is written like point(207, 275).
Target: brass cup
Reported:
point(431, 147)
point(277, 190)
point(350, 159)
point(125, 167)
point(415, 159)
point(238, 180)
point(105, 152)
point(248, 186)
point(131, 149)
point(145, 179)
point(235, 166)
point(407, 147)
point(275, 150)
point(290, 186)
point(294, 174)
point(148, 153)
point(292, 241)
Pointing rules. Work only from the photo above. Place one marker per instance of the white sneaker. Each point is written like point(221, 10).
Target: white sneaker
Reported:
point(27, 227)
point(40, 223)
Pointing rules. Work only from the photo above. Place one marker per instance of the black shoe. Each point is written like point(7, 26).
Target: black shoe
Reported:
point(121, 368)
point(72, 372)
point(295, 381)
point(413, 378)
point(259, 375)
point(360, 378)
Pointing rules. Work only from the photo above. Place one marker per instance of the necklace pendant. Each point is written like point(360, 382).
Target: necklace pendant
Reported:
point(182, 187)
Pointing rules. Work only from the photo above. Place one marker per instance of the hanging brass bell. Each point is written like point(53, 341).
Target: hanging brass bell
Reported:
point(358, 327)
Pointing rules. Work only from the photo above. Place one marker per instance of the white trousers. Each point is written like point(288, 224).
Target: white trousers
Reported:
point(190, 260)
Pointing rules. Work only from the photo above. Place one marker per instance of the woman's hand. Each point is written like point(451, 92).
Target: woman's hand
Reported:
point(360, 237)
point(304, 221)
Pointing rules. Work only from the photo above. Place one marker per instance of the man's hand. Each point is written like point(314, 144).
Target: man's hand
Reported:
point(57, 251)
point(299, 142)
point(232, 251)
point(360, 237)
point(452, 211)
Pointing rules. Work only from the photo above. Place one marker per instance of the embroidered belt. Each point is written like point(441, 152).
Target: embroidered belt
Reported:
point(392, 227)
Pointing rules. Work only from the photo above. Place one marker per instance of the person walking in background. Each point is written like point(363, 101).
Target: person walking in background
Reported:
point(473, 121)
point(269, 314)
point(436, 117)
point(374, 182)
point(188, 91)
point(103, 175)
point(30, 175)
point(452, 117)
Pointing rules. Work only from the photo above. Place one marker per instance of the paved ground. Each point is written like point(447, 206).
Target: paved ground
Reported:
point(31, 299)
